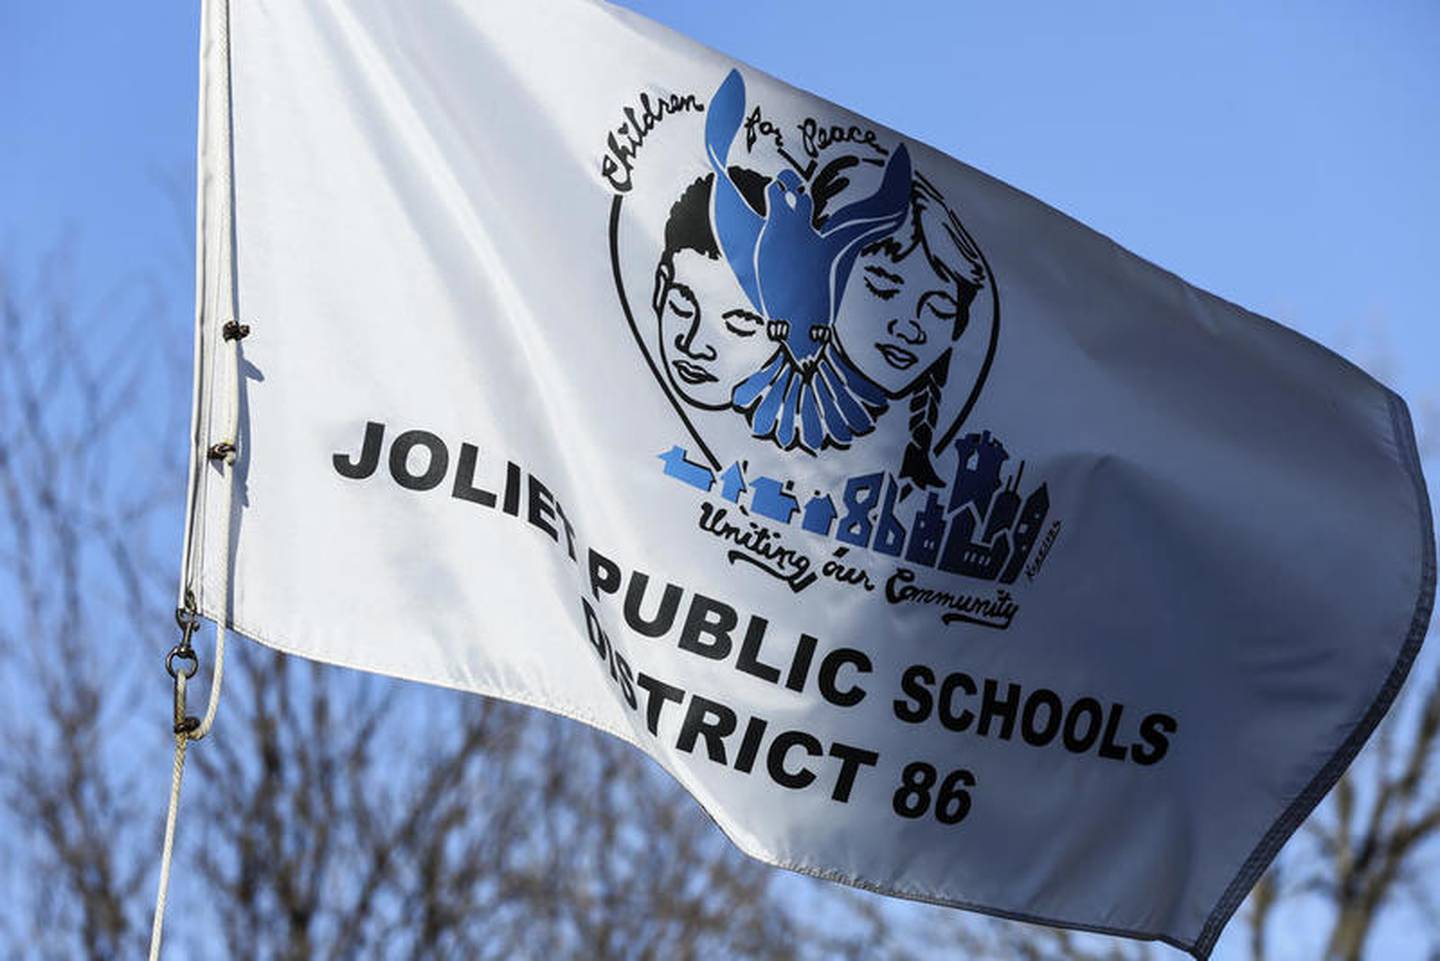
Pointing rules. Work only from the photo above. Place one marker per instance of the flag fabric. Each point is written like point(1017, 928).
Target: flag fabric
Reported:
point(934, 543)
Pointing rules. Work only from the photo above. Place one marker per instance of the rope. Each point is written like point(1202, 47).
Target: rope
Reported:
point(215, 24)
point(181, 741)
point(214, 703)
point(187, 728)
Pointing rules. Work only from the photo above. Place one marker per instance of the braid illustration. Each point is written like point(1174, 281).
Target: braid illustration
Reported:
point(924, 412)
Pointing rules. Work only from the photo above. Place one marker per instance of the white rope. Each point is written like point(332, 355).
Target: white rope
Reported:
point(181, 740)
point(212, 704)
point(185, 732)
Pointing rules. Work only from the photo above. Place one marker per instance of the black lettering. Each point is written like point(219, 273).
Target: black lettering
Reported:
point(657, 694)
point(711, 618)
point(604, 574)
point(800, 664)
point(952, 802)
point(598, 640)
point(364, 465)
point(512, 489)
point(542, 508)
point(830, 670)
point(1086, 707)
point(749, 657)
point(708, 719)
point(1154, 731)
point(465, 488)
point(664, 618)
point(948, 717)
point(1108, 748)
point(780, 747)
point(851, 760)
point(912, 798)
point(991, 708)
point(611, 172)
point(569, 531)
point(1033, 732)
point(624, 153)
point(915, 683)
point(400, 460)
point(750, 744)
point(627, 680)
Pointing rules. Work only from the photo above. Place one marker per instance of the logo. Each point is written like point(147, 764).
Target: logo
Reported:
point(822, 323)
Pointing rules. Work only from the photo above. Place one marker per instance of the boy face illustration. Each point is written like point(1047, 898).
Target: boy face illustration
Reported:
point(711, 339)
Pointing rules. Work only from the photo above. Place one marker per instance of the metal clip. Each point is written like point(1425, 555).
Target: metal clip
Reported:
point(189, 620)
point(234, 330)
point(221, 451)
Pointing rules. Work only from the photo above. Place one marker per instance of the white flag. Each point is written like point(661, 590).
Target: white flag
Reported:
point(933, 542)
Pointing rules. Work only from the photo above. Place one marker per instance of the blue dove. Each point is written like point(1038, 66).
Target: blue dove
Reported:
point(794, 272)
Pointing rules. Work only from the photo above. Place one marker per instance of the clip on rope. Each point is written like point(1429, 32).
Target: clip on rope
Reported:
point(181, 663)
point(188, 620)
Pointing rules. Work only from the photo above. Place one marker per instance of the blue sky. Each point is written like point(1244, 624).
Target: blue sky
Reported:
point(97, 127)
point(1283, 155)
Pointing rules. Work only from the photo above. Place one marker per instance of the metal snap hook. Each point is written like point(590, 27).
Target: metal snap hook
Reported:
point(181, 653)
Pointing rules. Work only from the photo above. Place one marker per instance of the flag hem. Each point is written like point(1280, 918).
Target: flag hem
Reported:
point(1294, 815)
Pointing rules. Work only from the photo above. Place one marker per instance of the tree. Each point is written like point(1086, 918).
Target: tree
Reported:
point(302, 837)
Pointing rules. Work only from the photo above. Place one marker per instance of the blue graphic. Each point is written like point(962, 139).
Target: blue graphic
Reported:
point(988, 533)
point(680, 467)
point(978, 475)
point(732, 483)
point(771, 500)
point(820, 515)
point(794, 271)
point(752, 261)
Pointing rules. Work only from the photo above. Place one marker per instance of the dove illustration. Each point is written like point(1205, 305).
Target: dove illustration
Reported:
point(794, 271)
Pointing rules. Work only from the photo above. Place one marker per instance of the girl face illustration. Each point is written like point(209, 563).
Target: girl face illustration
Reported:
point(710, 337)
point(908, 297)
point(897, 316)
